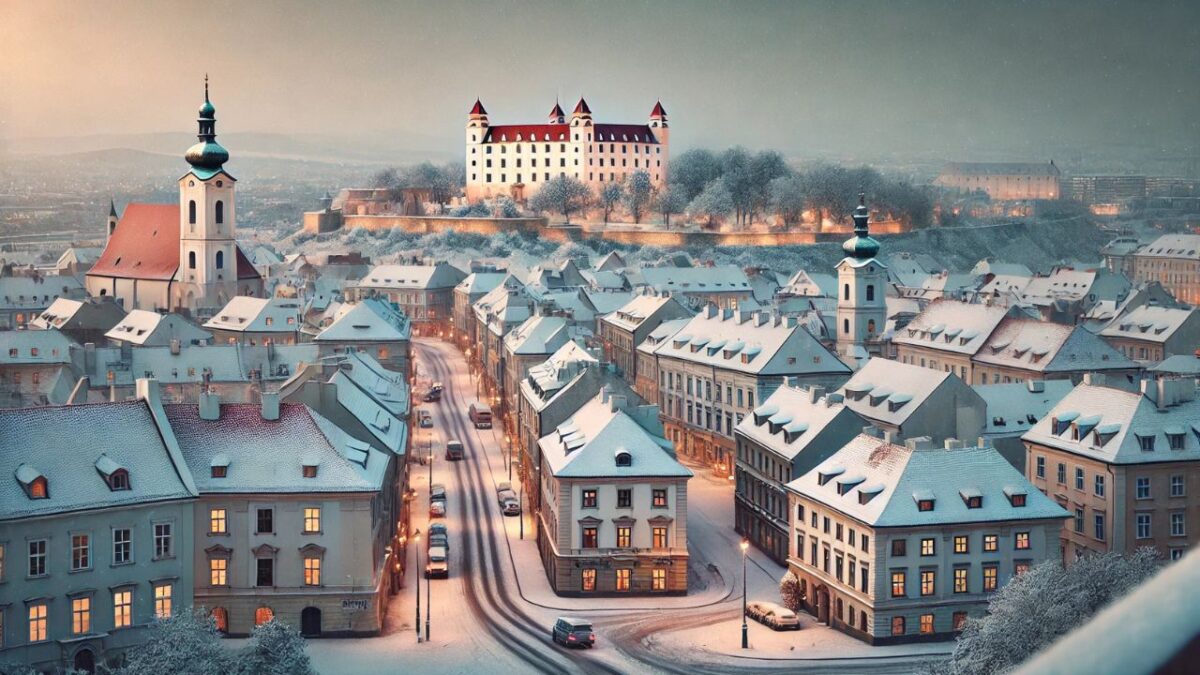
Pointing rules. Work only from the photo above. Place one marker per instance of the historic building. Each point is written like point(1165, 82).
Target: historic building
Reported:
point(1003, 181)
point(514, 160)
point(470, 290)
point(180, 256)
point(1150, 334)
point(861, 308)
point(623, 330)
point(423, 292)
point(906, 401)
point(900, 543)
point(1174, 261)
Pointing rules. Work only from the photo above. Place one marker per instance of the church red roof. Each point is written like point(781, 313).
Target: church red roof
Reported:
point(582, 107)
point(145, 245)
point(658, 112)
point(527, 132)
point(477, 109)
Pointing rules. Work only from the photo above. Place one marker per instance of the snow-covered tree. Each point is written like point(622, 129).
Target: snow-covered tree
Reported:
point(787, 199)
point(671, 199)
point(562, 194)
point(638, 192)
point(713, 203)
point(1040, 606)
point(789, 591)
point(186, 642)
point(610, 194)
point(505, 207)
point(764, 167)
point(275, 648)
point(693, 170)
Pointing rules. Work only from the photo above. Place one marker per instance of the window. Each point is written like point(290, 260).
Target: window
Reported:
point(220, 260)
point(37, 622)
point(263, 615)
point(162, 601)
point(960, 579)
point(1177, 486)
point(1021, 541)
point(312, 571)
point(1146, 443)
point(589, 579)
point(624, 536)
point(925, 505)
point(897, 625)
point(220, 616)
point(162, 540)
point(1100, 526)
point(660, 537)
point(219, 215)
point(312, 519)
point(1177, 525)
point(589, 499)
point(81, 616)
point(589, 537)
point(659, 498)
point(264, 521)
point(122, 609)
point(991, 542)
point(81, 552)
point(928, 584)
point(2, 571)
point(1143, 526)
point(119, 480)
point(265, 572)
point(308, 470)
point(927, 624)
point(217, 570)
point(191, 211)
point(1062, 473)
point(962, 544)
point(927, 547)
point(1079, 519)
point(1020, 567)
point(870, 292)
point(991, 577)
point(624, 576)
point(899, 547)
point(1041, 467)
point(1078, 478)
point(624, 498)
point(866, 543)
point(216, 521)
point(960, 621)
point(658, 579)
point(845, 291)
point(1142, 488)
point(37, 558)
point(1098, 485)
point(898, 584)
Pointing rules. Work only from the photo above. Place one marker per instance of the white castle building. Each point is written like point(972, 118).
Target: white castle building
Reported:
point(516, 159)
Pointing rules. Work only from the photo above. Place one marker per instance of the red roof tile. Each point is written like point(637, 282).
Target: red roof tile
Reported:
point(527, 132)
point(145, 245)
point(557, 110)
point(477, 109)
point(658, 111)
point(582, 107)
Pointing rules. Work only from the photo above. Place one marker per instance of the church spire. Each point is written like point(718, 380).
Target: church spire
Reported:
point(207, 154)
point(862, 246)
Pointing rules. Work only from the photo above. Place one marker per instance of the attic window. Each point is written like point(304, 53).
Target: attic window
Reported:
point(115, 475)
point(1016, 496)
point(310, 471)
point(868, 492)
point(34, 483)
point(220, 471)
point(924, 499)
point(1145, 441)
point(925, 505)
point(825, 474)
point(624, 458)
point(1063, 420)
point(972, 497)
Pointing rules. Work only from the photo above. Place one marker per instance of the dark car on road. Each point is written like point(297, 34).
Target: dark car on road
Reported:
point(570, 632)
point(435, 392)
point(454, 450)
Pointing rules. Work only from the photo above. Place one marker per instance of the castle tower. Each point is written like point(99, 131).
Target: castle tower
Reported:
point(861, 303)
point(207, 250)
point(557, 116)
point(662, 133)
point(476, 131)
point(582, 115)
point(112, 221)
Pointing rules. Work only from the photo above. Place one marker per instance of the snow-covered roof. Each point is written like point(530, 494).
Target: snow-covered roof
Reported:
point(890, 391)
point(478, 283)
point(993, 266)
point(605, 280)
point(146, 328)
point(606, 302)
point(1048, 347)
point(34, 347)
point(1063, 283)
point(665, 331)
point(370, 320)
point(1013, 408)
point(807, 419)
point(637, 310)
point(586, 445)
point(246, 314)
point(505, 305)
point(949, 325)
point(1111, 424)
point(1179, 364)
point(881, 484)
point(756, 343)
point(269, 455)
point(1149, 323)
point(538, 335)
point(693, 280)
point(386, 387)
point(548, 377)
point(24, 292)
point(64, 445)
point(1186, 246)
point(413, 277)
point(807, 284)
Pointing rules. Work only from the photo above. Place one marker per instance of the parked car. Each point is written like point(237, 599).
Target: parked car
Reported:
point(435, 392)
point(503, 485)
point(573, 632)
point(438, 540)
point(437, 509)
point(437, 528)
point(773, 616)
point(505, 495)
point(481, 416)
point(511, 507)
point(437, 491)
point(425, 419)
point(454, 450)
point(438, 566)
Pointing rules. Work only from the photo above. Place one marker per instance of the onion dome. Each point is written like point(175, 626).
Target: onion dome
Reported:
point(208, 153)
point(862, 246)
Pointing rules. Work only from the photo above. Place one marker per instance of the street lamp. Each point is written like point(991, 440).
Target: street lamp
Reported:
point(745, 629)
point(417, 540)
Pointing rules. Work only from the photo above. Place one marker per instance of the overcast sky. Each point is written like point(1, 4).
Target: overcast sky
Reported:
point(887, 76)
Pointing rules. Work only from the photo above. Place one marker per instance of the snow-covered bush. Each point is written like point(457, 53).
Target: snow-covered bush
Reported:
point(275, 649)
point(187, 642)
point(789, 591)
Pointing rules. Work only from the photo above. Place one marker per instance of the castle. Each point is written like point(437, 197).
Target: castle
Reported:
point(184, 256)
point(514, 160)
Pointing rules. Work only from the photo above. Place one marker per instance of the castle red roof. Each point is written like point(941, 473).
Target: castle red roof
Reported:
point(582, 107)
point(557, 110)
point(659, 112)
point(633, 133)
point(145, 245)
point(527, 132)
point(477, 109)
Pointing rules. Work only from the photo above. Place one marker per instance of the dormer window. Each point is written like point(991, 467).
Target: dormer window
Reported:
point(39, 488)
point(925, 505)
point(972, 497)
point(33, 482)
point(1146, 442)
point(219, 467)
point(924, 500)
point(115, 475)
point(624, 458)
point(310, 471)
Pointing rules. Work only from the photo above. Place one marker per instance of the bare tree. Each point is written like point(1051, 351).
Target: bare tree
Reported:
point(638, 192)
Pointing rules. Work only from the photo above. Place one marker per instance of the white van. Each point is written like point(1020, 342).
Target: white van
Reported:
point(481, 416)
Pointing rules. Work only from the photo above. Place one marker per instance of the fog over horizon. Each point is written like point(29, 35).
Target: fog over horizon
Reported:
point(962, 80)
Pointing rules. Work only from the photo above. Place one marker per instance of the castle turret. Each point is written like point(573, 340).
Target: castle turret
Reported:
point(662, 133)
point(557, 116)
point(862, 284)
point(582, 115)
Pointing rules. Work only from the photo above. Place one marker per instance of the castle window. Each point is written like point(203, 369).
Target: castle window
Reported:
point(220, 212)
point(192, 212)
point(191, 260)
point(220, 259)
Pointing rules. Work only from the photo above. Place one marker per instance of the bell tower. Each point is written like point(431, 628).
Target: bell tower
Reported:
point(862, 286)
point(207, 220)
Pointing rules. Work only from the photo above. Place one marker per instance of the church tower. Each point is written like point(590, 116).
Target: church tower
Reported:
point(112, 221)
point(207, 221)
point(862, 285)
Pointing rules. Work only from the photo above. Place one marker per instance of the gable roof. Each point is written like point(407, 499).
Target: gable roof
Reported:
point(952, 326)
point(247, 314)
point(1014, 407)
point(415, 277)
point(146, 328)
point(1048, 347)
point(789, 421)
point(755, 343)
point(1149, 323)
point(370, 320)
point(538, 335)
point(585, 446)
point(890, 391)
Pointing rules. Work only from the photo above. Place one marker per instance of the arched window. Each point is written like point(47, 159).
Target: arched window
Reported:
point(845, 291)
point(192, 212)
point(220, 259)
point(263, 615)
point(219, 208)
point(191, 260)
point(846, 326)
point(870, 291)
point(221, 617)
point(871, 327)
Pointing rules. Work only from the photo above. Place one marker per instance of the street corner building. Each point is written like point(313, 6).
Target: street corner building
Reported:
point(614, 503)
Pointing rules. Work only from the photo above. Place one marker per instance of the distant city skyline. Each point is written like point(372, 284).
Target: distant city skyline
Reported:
point(955, 78)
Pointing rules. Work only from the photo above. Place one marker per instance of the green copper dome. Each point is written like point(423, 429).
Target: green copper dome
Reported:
point(207, 155)
point(207, 110)
point(862, 245)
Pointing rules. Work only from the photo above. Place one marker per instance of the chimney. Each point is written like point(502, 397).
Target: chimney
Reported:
point(605, 393)
point(834, 399)
point(1039, 386)
point(147, 390)
point(710, 311)
point(889, 436)
point(815, 393)
point(210, 406)
point(920, 443)
point(953, 444)
point(619, 402)
point(760, 318)
point(1095, 379)
point(789, 322)
point(1163, 393)
point(175, 346)
point(270, 406)
point(727, 314)
point(872, 431)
